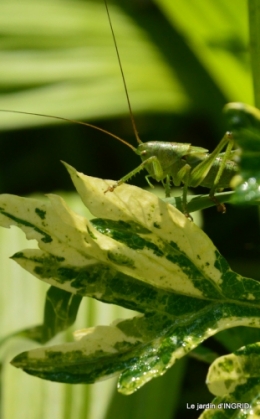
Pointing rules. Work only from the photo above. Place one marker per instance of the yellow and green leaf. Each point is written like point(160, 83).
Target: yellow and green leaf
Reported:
point(142, 254)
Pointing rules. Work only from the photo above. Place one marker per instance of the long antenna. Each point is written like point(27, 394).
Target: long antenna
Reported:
point(74, 122)
point(123, 76)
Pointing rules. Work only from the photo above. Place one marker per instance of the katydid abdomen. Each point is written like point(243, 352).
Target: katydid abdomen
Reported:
point(162, 159)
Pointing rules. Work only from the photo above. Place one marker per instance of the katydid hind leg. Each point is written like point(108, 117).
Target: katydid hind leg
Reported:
point(185, 193)
point(200, 172)
point(225, 156)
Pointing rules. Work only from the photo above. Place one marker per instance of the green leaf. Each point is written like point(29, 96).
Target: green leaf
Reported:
point(141, 253)
point(60, 312)
point(244, 123)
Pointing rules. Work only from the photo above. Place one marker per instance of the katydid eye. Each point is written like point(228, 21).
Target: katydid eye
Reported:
point(143, 153)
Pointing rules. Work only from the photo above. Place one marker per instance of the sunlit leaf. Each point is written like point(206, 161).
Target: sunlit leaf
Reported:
point(22, 305)
point(141, 253)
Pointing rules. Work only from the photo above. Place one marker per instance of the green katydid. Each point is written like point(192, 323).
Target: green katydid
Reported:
point(187, 164)
point(178, 163)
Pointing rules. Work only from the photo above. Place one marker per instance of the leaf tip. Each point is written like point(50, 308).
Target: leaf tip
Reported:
point(64, 163)
point(69, 168)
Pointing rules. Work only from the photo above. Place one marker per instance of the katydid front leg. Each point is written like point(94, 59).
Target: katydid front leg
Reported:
point(157, 169)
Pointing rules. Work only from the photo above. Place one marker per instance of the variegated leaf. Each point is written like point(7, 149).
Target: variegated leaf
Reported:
point(229, 373)
point(60, 312)
point(234, 379)
point(140, 253)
